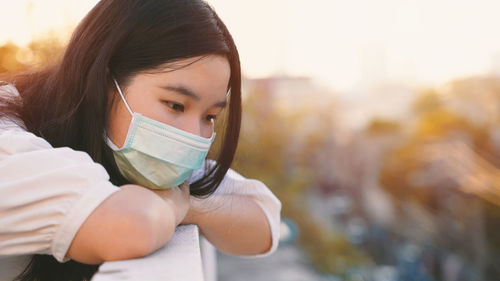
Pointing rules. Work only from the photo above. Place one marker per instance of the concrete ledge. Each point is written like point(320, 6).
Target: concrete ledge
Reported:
point(180, 259)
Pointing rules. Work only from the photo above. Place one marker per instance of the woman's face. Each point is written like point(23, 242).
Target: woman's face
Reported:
point(189, 98)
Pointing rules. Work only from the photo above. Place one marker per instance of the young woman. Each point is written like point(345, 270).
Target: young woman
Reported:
point(102, 154)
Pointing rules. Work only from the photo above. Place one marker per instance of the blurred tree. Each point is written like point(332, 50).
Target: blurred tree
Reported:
point(440, 122)
point(431, 170)
point(381, 126)
point(8, 60)
point(284, 152)
point(14, 59)
point(426, 101)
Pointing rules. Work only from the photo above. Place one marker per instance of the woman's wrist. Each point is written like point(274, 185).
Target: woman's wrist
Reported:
point(191, 215)
point(195, 212)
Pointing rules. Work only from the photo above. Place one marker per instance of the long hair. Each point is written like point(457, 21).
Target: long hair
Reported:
point(67, 102)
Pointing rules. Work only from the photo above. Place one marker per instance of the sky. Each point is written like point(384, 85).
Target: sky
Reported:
point(345, 44)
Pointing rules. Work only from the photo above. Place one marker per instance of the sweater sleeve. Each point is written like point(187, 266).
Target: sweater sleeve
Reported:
point(46, 193)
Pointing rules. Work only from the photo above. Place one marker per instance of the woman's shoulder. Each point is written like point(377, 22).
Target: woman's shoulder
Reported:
point(8, 90)
point(8, 93)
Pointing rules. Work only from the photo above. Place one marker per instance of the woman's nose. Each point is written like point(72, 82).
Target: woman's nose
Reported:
point(193, 126)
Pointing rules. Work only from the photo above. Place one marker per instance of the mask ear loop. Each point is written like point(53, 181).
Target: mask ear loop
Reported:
point(123, 97)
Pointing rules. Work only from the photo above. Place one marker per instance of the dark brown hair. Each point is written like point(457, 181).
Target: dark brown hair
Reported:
point(67, 103)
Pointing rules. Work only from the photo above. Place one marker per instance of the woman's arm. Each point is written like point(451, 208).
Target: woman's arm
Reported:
point(241, 218)
point(234, 224)
point(58, 201)
point(131, 223)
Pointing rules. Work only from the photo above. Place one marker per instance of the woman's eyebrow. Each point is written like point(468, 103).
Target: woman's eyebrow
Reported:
point(221, 104)
point(186, 92)
point(182, 90)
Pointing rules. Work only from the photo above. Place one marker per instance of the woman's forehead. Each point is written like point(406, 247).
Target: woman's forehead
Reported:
point(199, 78)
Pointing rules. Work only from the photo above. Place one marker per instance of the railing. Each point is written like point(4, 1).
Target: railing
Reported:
point(179, 259)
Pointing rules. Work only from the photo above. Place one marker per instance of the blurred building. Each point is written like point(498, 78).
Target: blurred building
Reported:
point(289, 94)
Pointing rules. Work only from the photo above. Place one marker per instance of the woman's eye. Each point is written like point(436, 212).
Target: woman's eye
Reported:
point(211, 118)
point(175, 106)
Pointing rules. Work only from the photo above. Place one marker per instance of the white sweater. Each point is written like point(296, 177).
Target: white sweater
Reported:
point(47, 193)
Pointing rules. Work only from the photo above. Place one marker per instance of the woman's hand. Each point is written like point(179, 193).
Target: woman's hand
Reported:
point(195, 210)
point(178, 200)
point(234, 224)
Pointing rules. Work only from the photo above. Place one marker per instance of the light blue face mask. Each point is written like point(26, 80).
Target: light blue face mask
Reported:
point(157, 155)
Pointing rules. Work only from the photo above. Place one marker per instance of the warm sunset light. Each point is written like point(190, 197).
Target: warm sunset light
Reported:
point(369, 137)
point(345, 44)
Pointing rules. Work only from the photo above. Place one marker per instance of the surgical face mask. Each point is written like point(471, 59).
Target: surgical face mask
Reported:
point(157, 155)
